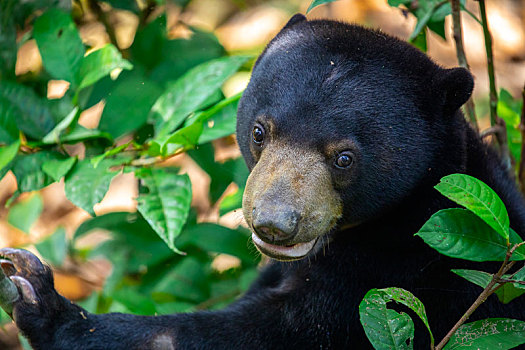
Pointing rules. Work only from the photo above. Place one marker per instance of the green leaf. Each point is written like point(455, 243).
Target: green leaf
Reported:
point(124, 5)
point(459, 233)
point(489, 334)
point(59, 44)
point(420, 25)
point(221, 174)
point(180, 55)
point(231, 202)
point(100, 63)
point(8, 153)
point(28, 170)
point(189, 92)
point(409, 300)
point(138, 244)
point(166, 206)
point(128, 104)
point(8, 128)
point(219, 120)
point(54, 248)
point(385, 328)
point(31, 112)
point(189, 280)
point(23, 214)
point(420, 41)
point(111, 152)
point(149, 39)
point(54, 135)
point(520, 276)
point(509, 110)
point(477, 197)
point(86, 185)
point(220, 239)
point(505, 294)
point(8, 49)
point(186, 137)
point(81, 134)
point(480, 278)
point(316, 3)
point(57, 168)
point(396, 3)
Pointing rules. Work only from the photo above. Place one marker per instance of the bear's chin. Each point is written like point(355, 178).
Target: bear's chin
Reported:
point(284, 253)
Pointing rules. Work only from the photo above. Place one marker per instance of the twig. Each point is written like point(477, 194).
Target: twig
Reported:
point(501, 136)
point(490, 63)
point(503, 280)
point(505, 266)
point(155, 160)
point(492, 131)
point(462, 58)
point(521, 172)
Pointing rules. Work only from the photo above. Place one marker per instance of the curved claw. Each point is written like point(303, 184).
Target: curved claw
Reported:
point(26, 289)
point(8, 267)
point(23, 260)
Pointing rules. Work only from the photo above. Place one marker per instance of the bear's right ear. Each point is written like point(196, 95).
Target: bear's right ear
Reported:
point(298, 17)
point(455, 85)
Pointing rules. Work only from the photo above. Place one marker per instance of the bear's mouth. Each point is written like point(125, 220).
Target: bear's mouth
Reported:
point(284, 253)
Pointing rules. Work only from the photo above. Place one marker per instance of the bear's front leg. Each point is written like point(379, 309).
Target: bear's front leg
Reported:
point(38, 310)
point(50, 321)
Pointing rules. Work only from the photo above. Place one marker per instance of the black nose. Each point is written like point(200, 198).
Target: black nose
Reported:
point(275, 225)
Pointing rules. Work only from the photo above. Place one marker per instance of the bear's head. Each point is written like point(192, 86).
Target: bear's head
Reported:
point(338, 124)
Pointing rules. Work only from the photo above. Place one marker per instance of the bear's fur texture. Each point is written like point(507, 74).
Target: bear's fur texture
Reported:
point(321, 88)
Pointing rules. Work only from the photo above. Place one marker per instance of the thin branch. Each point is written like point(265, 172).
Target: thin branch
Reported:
point(503, 280)
point(462, 58)
point(155, 160)
point(501, 137)
point(492, 131)
point(466, 10)
point(505, 266)
point(490, 63)
point(521, 173)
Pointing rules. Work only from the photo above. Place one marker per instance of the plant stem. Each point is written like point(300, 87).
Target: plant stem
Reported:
point(155, 160)
point(490, 63)
point(462, 58)
point(501, 136)
point(496, 279)
point(521, 172)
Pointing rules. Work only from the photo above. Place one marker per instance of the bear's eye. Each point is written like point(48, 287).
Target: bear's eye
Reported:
point(258, 135)
point(344, 160)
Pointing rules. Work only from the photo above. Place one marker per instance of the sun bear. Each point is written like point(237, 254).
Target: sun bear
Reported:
point(345, 131)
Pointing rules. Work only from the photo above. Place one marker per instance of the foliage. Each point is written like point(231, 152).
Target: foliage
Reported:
point(464, 234)
point(162, 97)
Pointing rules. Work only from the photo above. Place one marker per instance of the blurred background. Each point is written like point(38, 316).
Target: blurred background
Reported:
point(240, 27)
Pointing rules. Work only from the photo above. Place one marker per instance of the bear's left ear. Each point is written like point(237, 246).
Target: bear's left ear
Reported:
point(455, 85)
point(298, 17)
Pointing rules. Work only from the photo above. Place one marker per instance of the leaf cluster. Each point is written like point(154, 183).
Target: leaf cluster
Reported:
point(162, 97)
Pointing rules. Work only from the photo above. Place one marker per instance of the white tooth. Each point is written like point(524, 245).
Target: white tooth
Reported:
point(296, 251)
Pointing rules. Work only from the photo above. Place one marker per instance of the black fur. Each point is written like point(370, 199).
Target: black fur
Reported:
point(323, 81)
